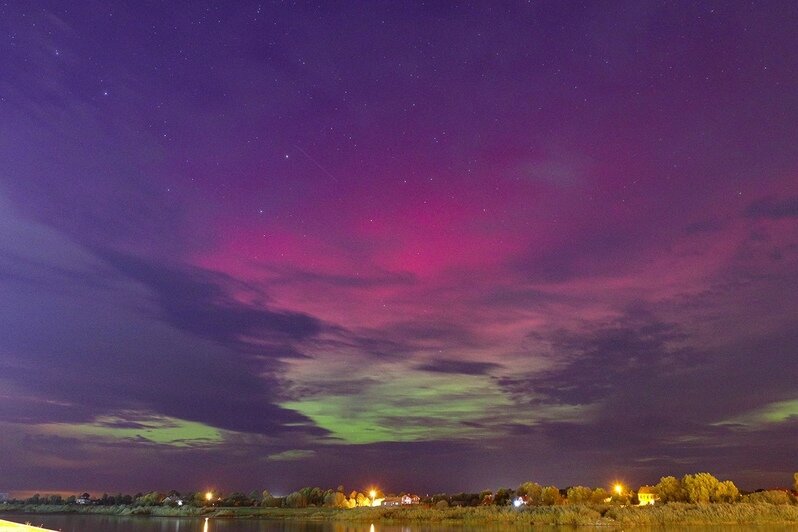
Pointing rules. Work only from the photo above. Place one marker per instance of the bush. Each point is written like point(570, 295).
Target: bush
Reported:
point(770, 497)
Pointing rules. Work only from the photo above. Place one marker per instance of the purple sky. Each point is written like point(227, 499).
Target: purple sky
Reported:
point(450, 246)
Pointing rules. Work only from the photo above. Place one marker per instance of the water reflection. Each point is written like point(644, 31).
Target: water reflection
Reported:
point(100, 523)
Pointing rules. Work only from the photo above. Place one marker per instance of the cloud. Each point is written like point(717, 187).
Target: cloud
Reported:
point(773, 208)
point(773, 413)
point(68, 316)
point(458, 366)
point(199, 302)
point(143, 426)
point(401, 403)
point(292, 455)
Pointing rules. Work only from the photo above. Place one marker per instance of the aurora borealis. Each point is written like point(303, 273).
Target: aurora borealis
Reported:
point(429, 246)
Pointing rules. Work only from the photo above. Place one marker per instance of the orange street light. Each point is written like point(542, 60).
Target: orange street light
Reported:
point(209, 496)
point(373, 494)
point(618, 489)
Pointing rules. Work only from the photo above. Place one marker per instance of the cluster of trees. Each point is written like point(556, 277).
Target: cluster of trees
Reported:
point(703, 488)
point(531, 493)
point(307, 497)
point(699, 488)
point(152, 498)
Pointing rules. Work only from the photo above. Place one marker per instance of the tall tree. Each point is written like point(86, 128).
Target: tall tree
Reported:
point(670, 489)
point(700, 487)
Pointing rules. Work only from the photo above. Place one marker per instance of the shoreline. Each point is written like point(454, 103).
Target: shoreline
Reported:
point(10, 526)
point(570, 515)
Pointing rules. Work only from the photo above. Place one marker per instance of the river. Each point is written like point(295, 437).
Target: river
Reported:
point(106, 523)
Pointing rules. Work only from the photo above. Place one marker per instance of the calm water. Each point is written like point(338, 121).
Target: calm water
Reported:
point(102, 523)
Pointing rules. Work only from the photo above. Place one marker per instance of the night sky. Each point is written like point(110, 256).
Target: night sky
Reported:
point(429, 246)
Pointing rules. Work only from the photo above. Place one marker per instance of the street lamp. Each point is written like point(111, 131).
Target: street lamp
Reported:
point(618, 489)
point(373, 495)
point(209, 496)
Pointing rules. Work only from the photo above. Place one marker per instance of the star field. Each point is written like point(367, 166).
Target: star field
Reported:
point(550, 241)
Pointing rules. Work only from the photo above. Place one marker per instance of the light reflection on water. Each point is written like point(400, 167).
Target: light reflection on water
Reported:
point(104, 523)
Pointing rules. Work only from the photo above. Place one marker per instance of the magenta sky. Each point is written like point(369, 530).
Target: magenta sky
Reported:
point(447, 246)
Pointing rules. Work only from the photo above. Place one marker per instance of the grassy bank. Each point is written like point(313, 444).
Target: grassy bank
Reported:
point(573, 515)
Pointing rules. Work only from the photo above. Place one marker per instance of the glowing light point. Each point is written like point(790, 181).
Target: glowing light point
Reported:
point(618, 489)
point(209, 496)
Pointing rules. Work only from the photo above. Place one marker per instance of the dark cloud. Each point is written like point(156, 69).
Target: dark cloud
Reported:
point(609, 360)
point(101, 324)
point(197, 301)
point(773, 208)
point(651, 391)
point(458, 366)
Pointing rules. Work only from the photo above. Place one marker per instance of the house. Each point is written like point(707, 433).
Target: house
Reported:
point(646, 495)
point(391, 501)
point(83, 499)
point(411, 499)
point(173, 500)
point(404, 500)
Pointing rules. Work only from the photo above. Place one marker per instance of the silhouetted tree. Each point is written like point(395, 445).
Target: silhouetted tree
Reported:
point(503, 497)
point(296, 500)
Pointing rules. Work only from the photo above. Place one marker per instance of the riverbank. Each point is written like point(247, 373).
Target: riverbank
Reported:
point(8, 526)
point(572, 515)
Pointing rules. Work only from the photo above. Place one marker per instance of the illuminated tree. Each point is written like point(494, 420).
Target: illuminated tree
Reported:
point(670, 489)
point(550, 496)
point(362, 500)
point(579, 495)
point(768, 497)
point(795, 481)
point(726, 491)
point(700, 487)
point(531, 491)
point(335, 499)
point(599, 495)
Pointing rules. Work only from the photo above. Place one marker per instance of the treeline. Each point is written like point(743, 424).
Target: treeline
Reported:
point(699, 488)
point(153, 498)
point(317, 497)
point(703, 488)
